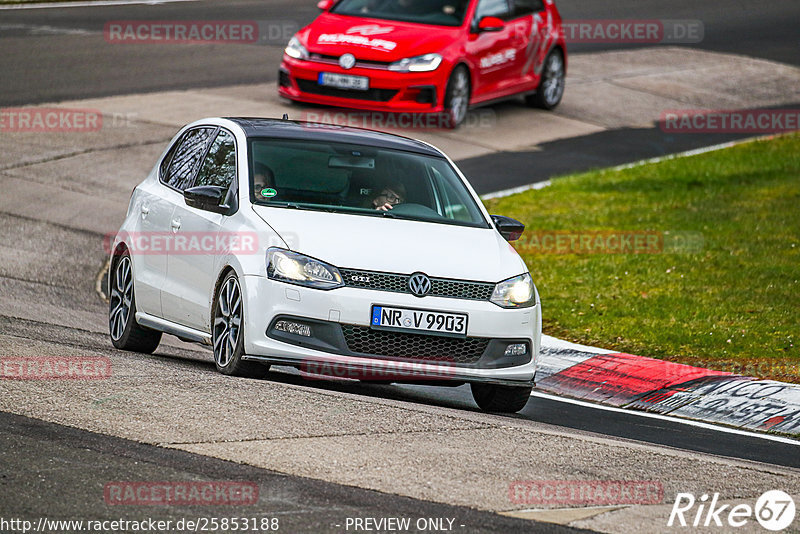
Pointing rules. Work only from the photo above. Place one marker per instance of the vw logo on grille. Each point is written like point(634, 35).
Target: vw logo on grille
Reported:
point(419, 284)
point(347, 61)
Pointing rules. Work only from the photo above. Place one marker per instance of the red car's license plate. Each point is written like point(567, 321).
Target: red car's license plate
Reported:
point(344, 81)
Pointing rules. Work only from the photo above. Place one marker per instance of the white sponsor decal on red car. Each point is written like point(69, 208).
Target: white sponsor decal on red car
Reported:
point(370, 29)
point(499, 58)
point(358, 40)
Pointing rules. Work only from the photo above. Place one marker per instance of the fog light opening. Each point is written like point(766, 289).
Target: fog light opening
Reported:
point(517, 349)
point(293, 328)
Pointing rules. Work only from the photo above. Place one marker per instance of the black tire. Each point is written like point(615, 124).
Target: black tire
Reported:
point(227, 331)
point(551, 86)
point(125, 332)
point(456, 97)
point(505, 399)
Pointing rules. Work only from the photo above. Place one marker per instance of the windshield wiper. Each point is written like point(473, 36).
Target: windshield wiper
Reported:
point(331, 209)
point(276, 204)
point(293, 205)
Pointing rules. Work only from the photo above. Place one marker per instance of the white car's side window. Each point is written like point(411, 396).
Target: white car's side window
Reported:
point(219, 167)
point(453, 204)
point(187, 157)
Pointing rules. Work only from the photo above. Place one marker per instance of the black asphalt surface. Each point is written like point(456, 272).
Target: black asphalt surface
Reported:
point(59, 473)
point(766, 30)
point(505, 170)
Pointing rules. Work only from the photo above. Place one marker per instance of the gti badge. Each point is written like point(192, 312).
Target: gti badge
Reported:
point(419, 284)
point(347, 61)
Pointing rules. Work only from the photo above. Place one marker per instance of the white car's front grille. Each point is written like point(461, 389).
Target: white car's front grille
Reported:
point(398, 283)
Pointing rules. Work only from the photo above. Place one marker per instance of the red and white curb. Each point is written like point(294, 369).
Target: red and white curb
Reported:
point(660, 387)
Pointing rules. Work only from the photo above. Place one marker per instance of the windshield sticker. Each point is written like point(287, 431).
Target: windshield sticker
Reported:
point(268, 192)
point(358, 40)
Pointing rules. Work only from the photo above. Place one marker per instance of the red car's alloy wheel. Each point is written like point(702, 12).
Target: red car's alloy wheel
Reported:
point(456, 100)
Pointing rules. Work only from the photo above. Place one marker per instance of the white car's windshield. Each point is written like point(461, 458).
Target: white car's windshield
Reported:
point(439, 12)
point(359, 179)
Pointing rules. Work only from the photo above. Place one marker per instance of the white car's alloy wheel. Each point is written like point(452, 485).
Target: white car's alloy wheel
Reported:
point(227, 322)
point(121, 297)
point(126, 333)
point(227, 332)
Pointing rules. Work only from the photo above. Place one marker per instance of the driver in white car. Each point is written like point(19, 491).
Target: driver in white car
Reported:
point(389, 197)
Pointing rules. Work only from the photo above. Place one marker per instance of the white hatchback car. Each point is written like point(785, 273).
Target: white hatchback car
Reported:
point(339, 251)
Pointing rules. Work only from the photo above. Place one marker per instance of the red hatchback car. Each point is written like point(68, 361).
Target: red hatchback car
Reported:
point(427, 56)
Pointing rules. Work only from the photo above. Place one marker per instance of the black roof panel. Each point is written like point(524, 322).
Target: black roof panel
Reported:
point(286, 129)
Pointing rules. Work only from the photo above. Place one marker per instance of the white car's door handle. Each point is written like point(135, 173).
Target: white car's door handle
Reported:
point(145, 211)
point(176, 224)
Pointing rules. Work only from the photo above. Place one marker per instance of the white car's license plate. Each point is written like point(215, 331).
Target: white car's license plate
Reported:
point(344, 81)
point(454, 324)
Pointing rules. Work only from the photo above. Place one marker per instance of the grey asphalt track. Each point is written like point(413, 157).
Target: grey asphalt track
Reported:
point(620, 425)
point(59, 473)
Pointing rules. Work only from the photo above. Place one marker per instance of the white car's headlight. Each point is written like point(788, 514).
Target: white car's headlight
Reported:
point(517, 292)
point(295, 268)
point(425, 63)
point(295, 49)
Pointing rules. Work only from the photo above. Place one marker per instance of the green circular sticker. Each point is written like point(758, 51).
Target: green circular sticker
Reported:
point(268, 192)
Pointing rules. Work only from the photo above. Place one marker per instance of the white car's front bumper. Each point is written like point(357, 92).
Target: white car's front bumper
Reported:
point(326, 311)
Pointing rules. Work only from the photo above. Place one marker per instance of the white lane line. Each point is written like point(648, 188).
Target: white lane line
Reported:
point(685, 154)
point(554, 343)
point(44, 30)
point(515, 190)
point(688, 153)
point(45, 5)
point(661, 417)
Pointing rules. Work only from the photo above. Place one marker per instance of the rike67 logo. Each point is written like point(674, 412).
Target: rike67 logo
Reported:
point(774, 510)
